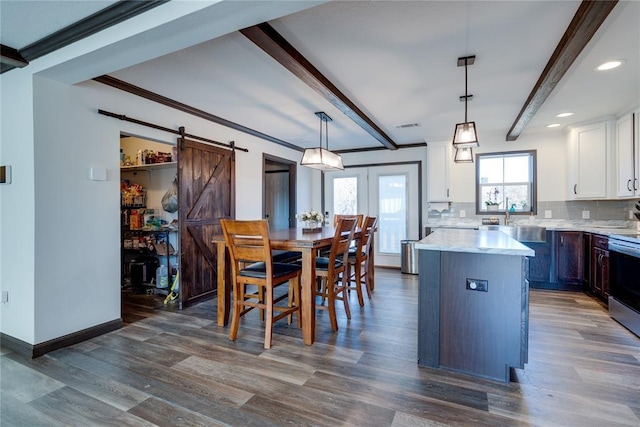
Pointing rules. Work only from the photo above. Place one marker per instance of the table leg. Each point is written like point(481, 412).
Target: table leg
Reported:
point(307, 302)
point(371, 263)
point(224, 297)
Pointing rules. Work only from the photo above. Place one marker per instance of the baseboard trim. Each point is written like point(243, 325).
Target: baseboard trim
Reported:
point(37, 350)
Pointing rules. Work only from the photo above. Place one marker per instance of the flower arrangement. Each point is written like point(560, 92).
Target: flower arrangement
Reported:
point(311, 216)
point(313, 219)
point(493, 198)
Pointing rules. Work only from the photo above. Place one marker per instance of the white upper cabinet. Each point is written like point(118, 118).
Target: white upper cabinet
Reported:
point(588, 157)
point(628, 156)
point(439, 171)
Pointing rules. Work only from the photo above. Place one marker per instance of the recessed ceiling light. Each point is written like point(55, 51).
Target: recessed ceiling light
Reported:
point(567, 114)
point(554, 125)
point(610, 65)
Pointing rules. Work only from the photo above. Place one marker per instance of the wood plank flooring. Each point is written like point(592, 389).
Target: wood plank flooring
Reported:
point(168, 367)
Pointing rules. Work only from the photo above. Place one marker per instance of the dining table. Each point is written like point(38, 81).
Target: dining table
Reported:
point(291, 239)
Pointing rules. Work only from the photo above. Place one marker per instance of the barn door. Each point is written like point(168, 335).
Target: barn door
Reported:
point(206, 185)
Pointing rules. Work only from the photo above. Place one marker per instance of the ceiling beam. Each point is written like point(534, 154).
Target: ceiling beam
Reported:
point(11, 56)
point(588, 18)
point(105, 18)
point(163, 100)
point(270, 41)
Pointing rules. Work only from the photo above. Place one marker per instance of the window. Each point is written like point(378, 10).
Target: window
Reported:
point(345, 196)
point(392, 208)
point(506, 181)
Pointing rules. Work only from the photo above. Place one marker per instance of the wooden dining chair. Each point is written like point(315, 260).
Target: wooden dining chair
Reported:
point(332, 271)
point(337, 217)
point(252, 264)
point(358, 262)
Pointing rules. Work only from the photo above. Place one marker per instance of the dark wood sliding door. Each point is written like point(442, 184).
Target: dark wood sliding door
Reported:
point(206, 180)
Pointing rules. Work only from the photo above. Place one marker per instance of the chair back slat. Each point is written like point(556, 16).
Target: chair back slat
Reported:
point(342, 238)
point(248, 241)
point(337, 217)
point(368, 228)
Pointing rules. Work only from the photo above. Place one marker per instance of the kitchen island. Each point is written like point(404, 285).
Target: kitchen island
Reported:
point(473, 302)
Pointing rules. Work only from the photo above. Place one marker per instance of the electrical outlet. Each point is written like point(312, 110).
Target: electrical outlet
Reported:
point(547, 214)
point(5, 297)
point(477, 285)
point(630, 213)
point(463, 213)
point(586, 214)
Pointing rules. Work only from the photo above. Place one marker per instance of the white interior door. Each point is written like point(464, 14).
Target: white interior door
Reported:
point(387, 192)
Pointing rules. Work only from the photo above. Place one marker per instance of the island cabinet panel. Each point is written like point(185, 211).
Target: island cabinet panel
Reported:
point(482, 333)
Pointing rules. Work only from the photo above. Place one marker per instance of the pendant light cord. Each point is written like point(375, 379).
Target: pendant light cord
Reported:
point(466, 97)
point(326, 133)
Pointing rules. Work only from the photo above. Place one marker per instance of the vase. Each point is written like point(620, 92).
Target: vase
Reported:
point(312, 227)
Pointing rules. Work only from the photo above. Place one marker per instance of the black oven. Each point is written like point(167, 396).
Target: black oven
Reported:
point(624, 281)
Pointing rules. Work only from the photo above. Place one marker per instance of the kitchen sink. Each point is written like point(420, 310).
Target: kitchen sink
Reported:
point(522, 233)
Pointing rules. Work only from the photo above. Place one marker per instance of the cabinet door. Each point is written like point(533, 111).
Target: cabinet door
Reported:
point(600, 280)
point(438, 171)
point(570, 257)
point(626, 157)
point(605, 276)
point(596, 278)
point(540, 265)
point(588, 162)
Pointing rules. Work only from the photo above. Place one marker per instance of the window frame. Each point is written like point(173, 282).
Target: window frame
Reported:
point(533, 182)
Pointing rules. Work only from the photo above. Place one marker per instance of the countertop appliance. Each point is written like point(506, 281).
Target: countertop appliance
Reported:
point(624, 275)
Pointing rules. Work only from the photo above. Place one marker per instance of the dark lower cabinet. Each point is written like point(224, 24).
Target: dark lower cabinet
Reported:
point(599, 283)
point(540, 265)
point(570, 259)
point(560, 261)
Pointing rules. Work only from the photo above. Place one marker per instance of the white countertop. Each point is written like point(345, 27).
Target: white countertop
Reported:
point(473, 241)
point(606, 228)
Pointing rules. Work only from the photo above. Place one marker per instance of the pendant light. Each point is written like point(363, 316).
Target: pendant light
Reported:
point(320, 158)
point(465, 135)
point(464, 155)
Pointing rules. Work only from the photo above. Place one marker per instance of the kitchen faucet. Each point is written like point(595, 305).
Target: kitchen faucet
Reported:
point(507, 216)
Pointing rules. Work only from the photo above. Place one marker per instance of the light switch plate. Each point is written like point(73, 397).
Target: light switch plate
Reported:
point(547, 214)
point(5, 174)
point(463, 214)
point(98, 174)
point(586, 214)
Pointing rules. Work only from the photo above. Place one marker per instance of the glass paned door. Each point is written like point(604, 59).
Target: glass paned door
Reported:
point(387, 192)
point(392, 209)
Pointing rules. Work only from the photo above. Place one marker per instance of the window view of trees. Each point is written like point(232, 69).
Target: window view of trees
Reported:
point(505, 181)
point(345, 196)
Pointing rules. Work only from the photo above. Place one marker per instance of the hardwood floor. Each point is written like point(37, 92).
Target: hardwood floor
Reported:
point(177, 368)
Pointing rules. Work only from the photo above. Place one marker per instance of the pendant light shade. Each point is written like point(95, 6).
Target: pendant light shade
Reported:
point(463, 155)
point(320, 158)
point(465, 134)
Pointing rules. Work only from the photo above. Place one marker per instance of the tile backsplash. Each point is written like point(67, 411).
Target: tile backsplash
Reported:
point(598, 210)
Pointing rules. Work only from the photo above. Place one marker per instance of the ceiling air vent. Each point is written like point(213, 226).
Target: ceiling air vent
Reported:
point(407, 125)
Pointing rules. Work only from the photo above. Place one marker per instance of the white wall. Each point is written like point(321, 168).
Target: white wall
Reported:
point(551, 159)
point(59, 230)
point(76, 280)
point(17, 206)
